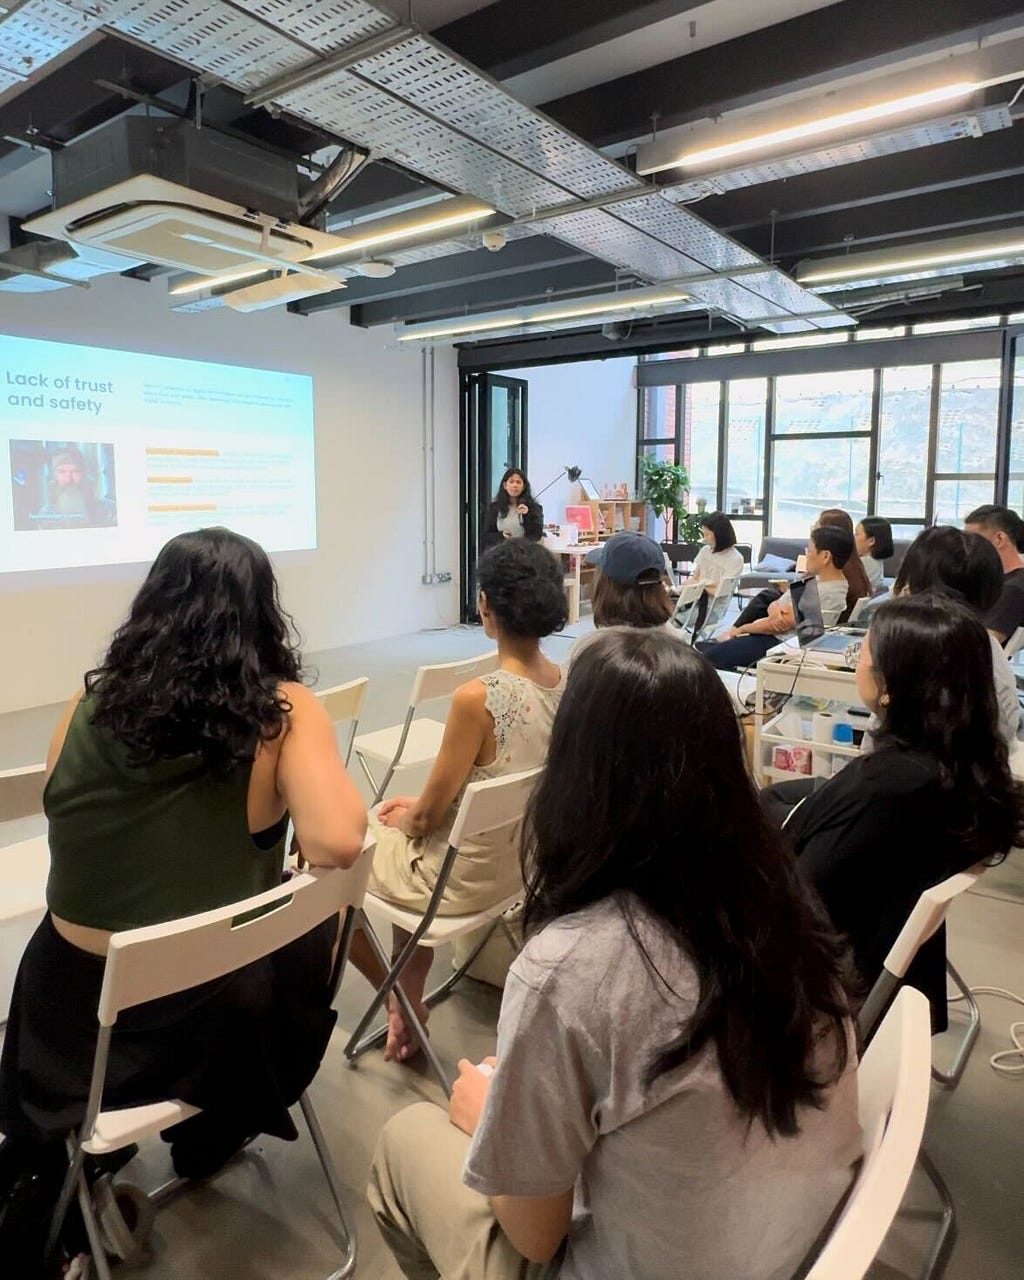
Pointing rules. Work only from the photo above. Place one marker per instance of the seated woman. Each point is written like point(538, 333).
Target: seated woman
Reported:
point(745, 644)
point(172, 776)
point(934, 797)
point(717, 560)
point(873, 536)
point(674, 1048)
point(514, 513)
point(629, 590)
point(497, 724)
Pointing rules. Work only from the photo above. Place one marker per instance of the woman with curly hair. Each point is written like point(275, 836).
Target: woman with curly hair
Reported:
point(172, 776)
point(498, 724)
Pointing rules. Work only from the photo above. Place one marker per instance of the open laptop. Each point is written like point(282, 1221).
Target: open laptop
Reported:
point(831, 647)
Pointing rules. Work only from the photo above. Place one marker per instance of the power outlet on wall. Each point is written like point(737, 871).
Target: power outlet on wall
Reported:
point(444, 577)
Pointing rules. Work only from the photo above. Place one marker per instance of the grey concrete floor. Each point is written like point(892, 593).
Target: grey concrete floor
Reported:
point(268, 1215)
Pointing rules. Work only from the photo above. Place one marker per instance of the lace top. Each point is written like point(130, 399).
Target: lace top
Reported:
point(523, 714)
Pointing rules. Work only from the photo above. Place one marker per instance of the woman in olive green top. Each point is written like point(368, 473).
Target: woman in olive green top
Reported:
point(172, 777)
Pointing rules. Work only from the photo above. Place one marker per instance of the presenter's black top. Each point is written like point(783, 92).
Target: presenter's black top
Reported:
point(133, 846)
point(532, 523)
point(870, 841)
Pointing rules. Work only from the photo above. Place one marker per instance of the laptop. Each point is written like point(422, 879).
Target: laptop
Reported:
point(833, 647)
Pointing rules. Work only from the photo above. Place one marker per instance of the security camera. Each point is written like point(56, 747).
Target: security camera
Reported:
point(494, 240)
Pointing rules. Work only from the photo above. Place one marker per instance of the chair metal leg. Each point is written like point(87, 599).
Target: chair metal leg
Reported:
point(331, 1174)
point(952, 1077)
point(76, 1159)
point(92, 1231)
point(439, 992)
point(942, 1242)
point(366, 773)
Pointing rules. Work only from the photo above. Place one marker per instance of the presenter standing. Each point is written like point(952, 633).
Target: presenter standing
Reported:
point(514, 513)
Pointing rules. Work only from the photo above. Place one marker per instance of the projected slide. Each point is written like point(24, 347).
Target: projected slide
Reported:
point(104, 455)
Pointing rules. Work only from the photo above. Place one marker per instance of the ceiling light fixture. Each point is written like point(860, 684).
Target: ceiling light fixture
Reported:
point(778, 138)
point(986, 249)
point(208, 282)
point(407, 227)
point(639, 301)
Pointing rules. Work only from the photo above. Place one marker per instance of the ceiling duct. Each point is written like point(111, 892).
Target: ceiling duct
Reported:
point(335, 178)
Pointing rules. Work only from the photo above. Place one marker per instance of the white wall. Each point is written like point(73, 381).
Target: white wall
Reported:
point(363, 581)
point(584, 415)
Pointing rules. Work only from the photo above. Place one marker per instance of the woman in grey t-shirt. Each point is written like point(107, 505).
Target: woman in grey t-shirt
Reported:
point(674, 1093)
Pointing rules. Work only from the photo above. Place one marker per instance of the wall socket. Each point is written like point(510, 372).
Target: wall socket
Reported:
point(444, 577)
point(428, 579)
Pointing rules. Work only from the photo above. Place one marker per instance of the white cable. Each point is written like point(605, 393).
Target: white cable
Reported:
point(1001, 1061)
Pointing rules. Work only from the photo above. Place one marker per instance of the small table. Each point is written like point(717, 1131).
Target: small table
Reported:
point(575, 553)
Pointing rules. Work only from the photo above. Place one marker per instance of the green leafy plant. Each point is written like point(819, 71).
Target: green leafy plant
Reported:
point(664, 485)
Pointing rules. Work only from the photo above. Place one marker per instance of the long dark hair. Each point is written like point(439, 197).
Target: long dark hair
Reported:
point(502, 498)
point(680, 835)
point(961, 565)
point(933, 660)
point(857, 584)
point(721, 526)
point(879, 530)
point(195, 667)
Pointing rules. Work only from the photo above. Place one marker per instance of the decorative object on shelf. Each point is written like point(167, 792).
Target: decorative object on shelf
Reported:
point(664, 485)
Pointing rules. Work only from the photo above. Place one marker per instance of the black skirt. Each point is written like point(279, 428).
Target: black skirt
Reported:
point(244, 1047)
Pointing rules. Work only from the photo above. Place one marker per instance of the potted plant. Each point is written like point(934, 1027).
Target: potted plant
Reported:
point(664, 487)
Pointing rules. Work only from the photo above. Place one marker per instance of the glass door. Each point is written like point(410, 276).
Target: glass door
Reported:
point(494, 417)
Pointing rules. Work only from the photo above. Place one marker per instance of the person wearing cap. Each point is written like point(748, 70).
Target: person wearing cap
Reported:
point(630, 589)
point(72, 501)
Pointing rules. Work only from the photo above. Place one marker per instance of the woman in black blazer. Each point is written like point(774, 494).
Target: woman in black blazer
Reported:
point(934, 797)
point(514, 513)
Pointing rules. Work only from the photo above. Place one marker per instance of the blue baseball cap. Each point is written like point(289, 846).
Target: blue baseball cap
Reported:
point(629, 559)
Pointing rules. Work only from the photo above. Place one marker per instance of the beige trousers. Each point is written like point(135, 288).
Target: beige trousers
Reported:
point(433, 1224)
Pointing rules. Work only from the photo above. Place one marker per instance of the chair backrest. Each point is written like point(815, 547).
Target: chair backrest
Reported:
point(344, 701)
point(1014, 643)
point(930, 911)
point(161, 959)
point(746, 550)
point(893, 1085)
point(442, 679)
point(858, 608)
point(719, 604)
point(690, 596)
point(493, 803)
point(21, 791)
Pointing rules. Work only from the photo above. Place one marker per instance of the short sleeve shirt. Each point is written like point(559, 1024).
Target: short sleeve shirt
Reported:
point(1008, 612)
point(671, 1182)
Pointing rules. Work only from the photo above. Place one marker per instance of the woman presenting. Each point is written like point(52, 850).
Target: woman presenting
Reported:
point(514, 513)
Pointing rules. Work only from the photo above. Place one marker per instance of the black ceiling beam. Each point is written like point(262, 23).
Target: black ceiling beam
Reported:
point(986, 206)
point(471, 267)
point(516, 36)
point(547, 284)
point(805, 52)
point(871, 182)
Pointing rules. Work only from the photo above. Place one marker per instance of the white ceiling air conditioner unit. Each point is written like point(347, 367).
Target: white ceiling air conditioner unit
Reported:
point(278, 291)
point(153, 220)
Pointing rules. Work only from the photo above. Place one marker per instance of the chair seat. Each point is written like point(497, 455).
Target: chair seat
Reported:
point(443, 928)
point(421, 746)
point(116, 1129)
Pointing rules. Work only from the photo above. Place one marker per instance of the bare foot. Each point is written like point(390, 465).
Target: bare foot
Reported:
point(403, 1044)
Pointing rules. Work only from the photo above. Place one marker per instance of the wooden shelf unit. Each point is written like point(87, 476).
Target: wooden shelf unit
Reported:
point(617, 514)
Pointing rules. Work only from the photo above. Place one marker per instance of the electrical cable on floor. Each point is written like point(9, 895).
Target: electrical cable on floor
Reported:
point(1003, 1060)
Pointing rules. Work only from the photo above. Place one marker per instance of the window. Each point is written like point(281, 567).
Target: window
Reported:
point(1015, 496)
point(745, 443)
point(968, 416)
point(904, 418)
point(660, 413)
point(812, 402)
point(808, 475)
point(700, 441)
point(954, 499)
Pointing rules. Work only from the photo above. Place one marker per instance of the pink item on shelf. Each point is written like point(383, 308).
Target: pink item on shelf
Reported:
point(801, 757)
point(782, 758)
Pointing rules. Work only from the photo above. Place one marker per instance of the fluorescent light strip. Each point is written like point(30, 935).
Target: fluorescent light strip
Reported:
point(351, 246)
point(827, 124)
point(405, 233)
point(516, 322)
point(882, 270)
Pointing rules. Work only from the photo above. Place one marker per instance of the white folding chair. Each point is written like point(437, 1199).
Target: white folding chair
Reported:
point(417, 742)
point(716, 611)
point(21, 791)
point(344, 704)
point(486, 806)
point(684, 615)
point(160, 960)
point(924, 921)
point(1012, 645)
point(892, 1086)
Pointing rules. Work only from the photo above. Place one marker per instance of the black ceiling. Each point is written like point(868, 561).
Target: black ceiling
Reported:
point(970, 185)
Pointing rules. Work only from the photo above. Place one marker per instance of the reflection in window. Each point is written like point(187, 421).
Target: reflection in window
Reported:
point(808, 475)
point(903, 441)
point(663, 452)
point(700, 441)
point(744, 477)
point(660, 413)
point(955, 499)
point(968, 412)
point(839, 401)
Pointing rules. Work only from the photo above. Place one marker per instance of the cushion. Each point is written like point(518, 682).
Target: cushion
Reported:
point(775, 564)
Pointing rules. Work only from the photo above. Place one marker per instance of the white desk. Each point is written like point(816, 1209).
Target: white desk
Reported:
point(575, 553)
